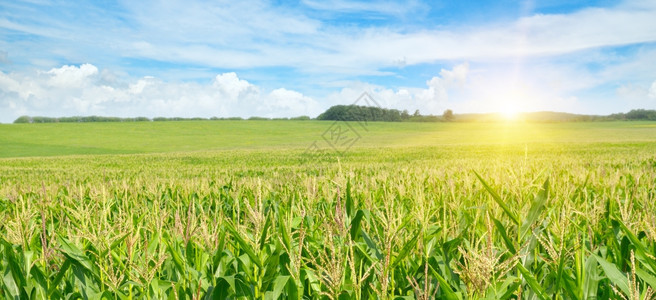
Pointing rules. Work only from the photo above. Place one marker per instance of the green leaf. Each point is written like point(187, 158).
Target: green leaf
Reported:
point(409, 246)
point(349, 199)
point(358, 246)
point(447, 292)
point(504, 235)
point(282, 229)
point(265, 231)
point(243, 245)
point(10, 285)
point(14, 267)
point(498, 200)
point(40, 278)
point(532, 282)
point(154, 242)
point(648, 278)
point(177, 258)
point(225, 285)
point(591, 281)
point(74, 253)
point(372, 245)
point(510, 285)
point(641, 250)
point(614, 275)
point(54, 284)
point(313, 280)
point(216, 260)
point(242, 288)
point(278, 286)
point(537, 206)
point(356, 224)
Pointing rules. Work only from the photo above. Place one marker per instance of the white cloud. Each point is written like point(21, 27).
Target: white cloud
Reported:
point(72, 76)
point(379, 7)
point(86, 90)
point(536, 35)
point(484, 88)
point(637, 95)
point(433, 99)
point(633, 91)
point(455, 77)
point(83, 90)
point(283, 101)
point(231, 87)
point(363, 51)
point(634, 95)
point(252, 34)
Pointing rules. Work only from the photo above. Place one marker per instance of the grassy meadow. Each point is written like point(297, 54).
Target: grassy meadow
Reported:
point(241, 210)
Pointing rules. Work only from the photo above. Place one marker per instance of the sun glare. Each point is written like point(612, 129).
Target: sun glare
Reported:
point(512, 103)
point(509, 112)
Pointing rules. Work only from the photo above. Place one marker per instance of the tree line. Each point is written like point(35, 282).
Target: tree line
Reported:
point(87, 119)
point(369, 113)
point(636, 114)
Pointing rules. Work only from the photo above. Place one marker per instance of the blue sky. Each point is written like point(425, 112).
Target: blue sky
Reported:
point(287, 58)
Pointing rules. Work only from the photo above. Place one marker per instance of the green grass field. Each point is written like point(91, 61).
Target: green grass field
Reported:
point(240, 210)
point(21, 140)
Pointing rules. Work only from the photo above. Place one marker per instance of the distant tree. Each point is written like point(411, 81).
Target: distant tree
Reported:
point(78, 119)
point(416, 114)
point(44, 120)
point(360, 113)
point(448, 115)
point(405, 115)
point(641, 114)
point(23, 119)
point(300, 118)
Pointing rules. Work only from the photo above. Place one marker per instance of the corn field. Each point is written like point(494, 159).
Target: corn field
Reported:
point(452, 222)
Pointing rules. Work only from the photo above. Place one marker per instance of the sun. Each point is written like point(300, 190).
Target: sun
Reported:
point(509, 111)
point(512, 103)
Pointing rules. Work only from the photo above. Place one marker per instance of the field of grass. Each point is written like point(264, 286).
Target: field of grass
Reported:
point(239, 209)
point(51, 139)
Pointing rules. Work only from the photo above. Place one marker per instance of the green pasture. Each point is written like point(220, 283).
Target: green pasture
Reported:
point(52, 139)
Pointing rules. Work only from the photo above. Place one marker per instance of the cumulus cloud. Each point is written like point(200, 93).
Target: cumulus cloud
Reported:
point(230, 86)
point(85, 90)
point(652, 90)
point(291, 101)
point(72, 76)
point(431, 99)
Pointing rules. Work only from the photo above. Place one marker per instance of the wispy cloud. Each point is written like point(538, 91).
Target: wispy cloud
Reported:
point(579, 53)
point(394, 8)
point(257, 34)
